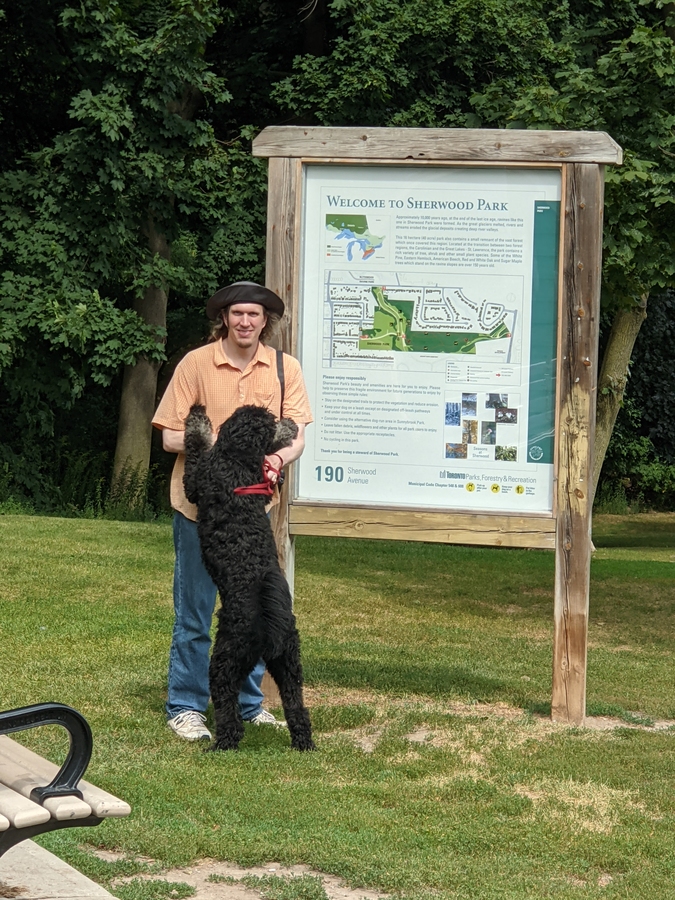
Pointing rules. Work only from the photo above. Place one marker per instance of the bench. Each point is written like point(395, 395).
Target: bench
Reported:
point(37, 796)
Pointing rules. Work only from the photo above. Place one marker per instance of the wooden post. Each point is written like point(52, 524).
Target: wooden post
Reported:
point(582, 262)
point(282, 235)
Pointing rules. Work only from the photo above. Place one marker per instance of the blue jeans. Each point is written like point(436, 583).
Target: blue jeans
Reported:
point(194, 599)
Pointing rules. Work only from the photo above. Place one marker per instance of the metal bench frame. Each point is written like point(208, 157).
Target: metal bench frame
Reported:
point(68, 777)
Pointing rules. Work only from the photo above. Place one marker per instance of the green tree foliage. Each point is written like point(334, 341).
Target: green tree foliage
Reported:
point(140, 156)
point(523, 64)
point(421, 63)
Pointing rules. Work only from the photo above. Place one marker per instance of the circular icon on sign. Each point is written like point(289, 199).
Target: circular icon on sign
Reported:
point(471, 486)
point(520, 489)
point(535, 452)
point(495, 488)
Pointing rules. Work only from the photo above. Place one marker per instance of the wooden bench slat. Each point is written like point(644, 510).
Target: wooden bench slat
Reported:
point(15, 774)
point(62, 808)
point(103, 804)
point(21, 812)
point(97, 801)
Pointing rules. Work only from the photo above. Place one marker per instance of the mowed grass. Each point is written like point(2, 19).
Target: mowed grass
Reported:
point(428, 669)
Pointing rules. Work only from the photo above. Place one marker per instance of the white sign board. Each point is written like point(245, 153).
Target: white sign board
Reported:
point(428, 322)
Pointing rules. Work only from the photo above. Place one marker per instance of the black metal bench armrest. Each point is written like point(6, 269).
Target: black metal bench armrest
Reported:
point(81, 744)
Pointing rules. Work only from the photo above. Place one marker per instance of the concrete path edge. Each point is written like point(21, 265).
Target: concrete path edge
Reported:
point(36, 874)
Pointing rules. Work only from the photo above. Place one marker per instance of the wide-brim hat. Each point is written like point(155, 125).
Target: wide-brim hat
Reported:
point(244, 292)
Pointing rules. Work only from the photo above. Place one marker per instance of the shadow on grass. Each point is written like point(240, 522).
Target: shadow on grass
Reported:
point(538, 707)
point(152, 696)
point(431, 680)
point(651, 541)
point(417, 566)
point(634, 531)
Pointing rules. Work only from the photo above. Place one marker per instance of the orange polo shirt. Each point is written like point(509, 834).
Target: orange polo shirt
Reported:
point(206, 376)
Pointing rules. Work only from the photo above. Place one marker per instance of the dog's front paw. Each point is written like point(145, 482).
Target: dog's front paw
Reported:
point(285, 433)
point(198, 423)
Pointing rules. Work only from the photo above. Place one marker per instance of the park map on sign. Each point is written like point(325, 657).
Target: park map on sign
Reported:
point(435, 311)
point(412, 319)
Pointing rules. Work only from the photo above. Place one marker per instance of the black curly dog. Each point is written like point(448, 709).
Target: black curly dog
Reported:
point(255, 619)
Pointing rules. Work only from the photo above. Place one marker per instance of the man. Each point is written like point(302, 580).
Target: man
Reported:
point(235, 369)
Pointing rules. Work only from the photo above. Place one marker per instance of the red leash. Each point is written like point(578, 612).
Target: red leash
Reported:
point(266, 487)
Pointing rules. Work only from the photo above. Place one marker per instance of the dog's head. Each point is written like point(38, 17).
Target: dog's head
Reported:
point(253, 432)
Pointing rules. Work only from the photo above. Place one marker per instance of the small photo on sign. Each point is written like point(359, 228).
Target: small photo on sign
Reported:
point(455, 451)
point(452, 413)
point(506, 416)
point(469, 404)
point(470, 431)
point(488, 433)
point(506, 454)
point(497, 401)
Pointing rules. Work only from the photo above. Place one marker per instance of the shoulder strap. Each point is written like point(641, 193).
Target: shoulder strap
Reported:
point(282, 380)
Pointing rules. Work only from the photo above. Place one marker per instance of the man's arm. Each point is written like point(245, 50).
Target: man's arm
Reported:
point(173, 441)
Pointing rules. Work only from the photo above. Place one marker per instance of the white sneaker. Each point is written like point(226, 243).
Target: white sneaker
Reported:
point(189, 726)
point(265, 717)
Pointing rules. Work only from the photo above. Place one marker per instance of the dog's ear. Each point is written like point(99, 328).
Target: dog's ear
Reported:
point(285, 433)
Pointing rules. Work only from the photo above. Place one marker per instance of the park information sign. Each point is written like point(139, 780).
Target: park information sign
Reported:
point(428, 323)
point(443, 290)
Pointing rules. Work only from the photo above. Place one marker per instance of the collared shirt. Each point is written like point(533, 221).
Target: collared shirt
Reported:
point(206, 376)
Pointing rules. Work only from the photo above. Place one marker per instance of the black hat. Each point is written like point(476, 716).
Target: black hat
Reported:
point(244, 292)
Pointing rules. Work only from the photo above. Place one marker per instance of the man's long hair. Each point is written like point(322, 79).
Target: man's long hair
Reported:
point(220, 330)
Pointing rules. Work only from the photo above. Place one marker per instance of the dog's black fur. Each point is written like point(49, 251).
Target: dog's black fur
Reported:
point(255, 619)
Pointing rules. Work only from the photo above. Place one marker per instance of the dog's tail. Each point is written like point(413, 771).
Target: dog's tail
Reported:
point(276, 611)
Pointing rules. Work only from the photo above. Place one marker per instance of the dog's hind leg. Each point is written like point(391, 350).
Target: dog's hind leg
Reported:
point(230, 664)
point(286, 670)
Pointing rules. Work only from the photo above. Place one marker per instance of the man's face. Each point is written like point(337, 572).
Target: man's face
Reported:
point(244, 322)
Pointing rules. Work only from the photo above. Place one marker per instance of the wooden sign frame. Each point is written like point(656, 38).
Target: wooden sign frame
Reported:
point(581, 157)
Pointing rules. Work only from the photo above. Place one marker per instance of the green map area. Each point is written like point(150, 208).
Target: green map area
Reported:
point(391, 331)
point(353, 230)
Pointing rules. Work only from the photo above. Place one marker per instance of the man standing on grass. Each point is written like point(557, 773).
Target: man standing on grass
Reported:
point(234, 369)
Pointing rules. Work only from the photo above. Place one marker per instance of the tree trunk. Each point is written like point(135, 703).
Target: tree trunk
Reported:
point(139, 386)
point(613, 377)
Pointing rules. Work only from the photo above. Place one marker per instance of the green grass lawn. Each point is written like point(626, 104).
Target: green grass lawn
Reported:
point(427, 671)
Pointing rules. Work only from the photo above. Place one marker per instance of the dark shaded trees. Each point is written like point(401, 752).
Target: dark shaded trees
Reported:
point(128, 192)
point(134, 199)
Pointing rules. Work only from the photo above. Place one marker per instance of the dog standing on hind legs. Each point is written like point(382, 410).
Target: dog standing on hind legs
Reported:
point(255, 618)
